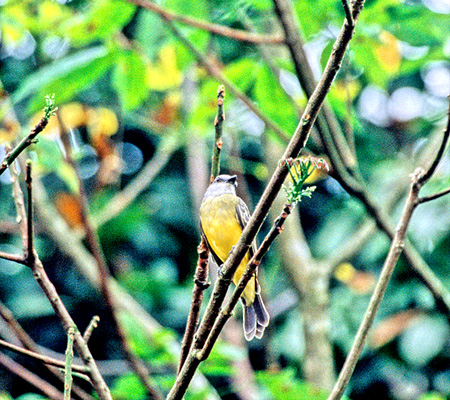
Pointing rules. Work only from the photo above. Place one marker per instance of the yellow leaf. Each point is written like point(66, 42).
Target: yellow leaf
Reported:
point(74, 115)
point(388, 52)
point(345, 91)
point(102, 121)
point(164, 74)
point(345, 272)
point(12, 34)
point(51, 12)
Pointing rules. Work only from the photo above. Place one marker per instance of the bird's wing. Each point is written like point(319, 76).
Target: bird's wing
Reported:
point(243, 217)
point(218, 261)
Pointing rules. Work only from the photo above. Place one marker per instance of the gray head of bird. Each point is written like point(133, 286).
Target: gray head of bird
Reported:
point(223, 184)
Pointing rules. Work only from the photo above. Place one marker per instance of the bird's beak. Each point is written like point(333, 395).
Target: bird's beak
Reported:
point(232, 179)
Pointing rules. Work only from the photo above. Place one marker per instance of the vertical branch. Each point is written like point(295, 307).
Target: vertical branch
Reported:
point(68, 364)
point(50, 292)
point(218, 124)
point(30, 243)
point(201, 282)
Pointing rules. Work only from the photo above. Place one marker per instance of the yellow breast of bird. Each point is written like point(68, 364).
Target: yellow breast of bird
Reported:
point(222, 230)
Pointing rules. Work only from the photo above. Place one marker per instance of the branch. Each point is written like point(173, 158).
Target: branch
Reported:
point(92, 325)
point(327, 124)
point(201, 283)
point(297, 143)
point(210, 27)
point(419, 178)
point(29, 255)
point(49, 110)
point(425, 199)
point(68, 364)
point(39, 357)
point(218, 124)
point(348, 12)
point(30, 377)
point(92, 238)
point(13, 257)
point(432, 168)
point(215, 72)
point(201, 272)
point(30, 345)
point(49, 290)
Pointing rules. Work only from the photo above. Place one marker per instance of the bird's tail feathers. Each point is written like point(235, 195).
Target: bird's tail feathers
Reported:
point(256, 318)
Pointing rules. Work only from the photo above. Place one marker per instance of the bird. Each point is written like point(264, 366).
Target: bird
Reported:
point(223, 217)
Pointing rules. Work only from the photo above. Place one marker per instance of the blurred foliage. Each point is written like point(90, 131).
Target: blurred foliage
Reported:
point(130, 91)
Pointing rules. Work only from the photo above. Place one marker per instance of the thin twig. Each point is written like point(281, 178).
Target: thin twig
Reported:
point(39, 357)
point(20, 207)
point(30, 224)
point(30, 378)
point(68, 364)
point(419, 178)
point(297, 143)
point(13, 257)
point(221, 30)
point(218, 125)
point(50, 292)
point(432, 168)
point(92, 238)
point(430, 197)
point(30, 345)
point(92, 325)
point(30, 138)
point(201, 282)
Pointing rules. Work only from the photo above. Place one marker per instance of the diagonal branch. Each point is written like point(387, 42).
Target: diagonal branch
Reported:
point(419, 178)
point(30, 377)
point(297, 143)
point(44, 359)
point(28, 140)
point(215, 72)
point(58, 306)
point(221, 30)
point(92, 238)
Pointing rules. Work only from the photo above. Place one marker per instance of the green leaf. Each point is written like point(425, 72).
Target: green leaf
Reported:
point(283, 385)
point(129, 79)
point(325, 12)
point(128, 387)
point(198, 8)
point(65, 77)
point(241, 73)
point(104, 18)
point(272, 100)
